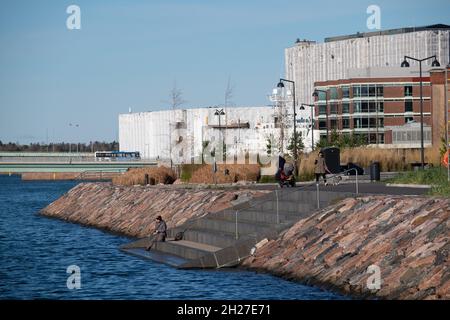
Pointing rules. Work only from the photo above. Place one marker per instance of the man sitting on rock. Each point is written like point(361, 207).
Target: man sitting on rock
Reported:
point(160, 232)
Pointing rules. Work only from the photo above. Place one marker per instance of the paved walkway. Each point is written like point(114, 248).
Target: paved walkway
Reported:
point(372, 188)
point(347, 186)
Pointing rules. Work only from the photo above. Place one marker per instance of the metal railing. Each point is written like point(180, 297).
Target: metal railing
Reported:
point(293, 190)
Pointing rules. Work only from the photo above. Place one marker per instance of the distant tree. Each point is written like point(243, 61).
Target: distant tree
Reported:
point(229, 91)
point(269, 144)
point(176, 97)
point(291, 146)
point(342, 140)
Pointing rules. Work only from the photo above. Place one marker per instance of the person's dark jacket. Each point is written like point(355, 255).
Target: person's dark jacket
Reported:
point(161, 227)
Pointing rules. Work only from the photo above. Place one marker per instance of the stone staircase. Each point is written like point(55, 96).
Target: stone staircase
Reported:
point(224, 238)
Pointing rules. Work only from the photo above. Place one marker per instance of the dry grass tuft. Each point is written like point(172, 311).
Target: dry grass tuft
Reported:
point(237, 172)
point(390, 159)
point(156, 175)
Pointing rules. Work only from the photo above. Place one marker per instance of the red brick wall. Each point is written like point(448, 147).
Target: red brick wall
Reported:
point(394, 107)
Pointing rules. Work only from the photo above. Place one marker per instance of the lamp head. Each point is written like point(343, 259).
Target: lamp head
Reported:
point(435, 63)
point(280, 84)
point(405, 64)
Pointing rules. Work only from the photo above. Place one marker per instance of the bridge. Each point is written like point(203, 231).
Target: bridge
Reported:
point(21, 162)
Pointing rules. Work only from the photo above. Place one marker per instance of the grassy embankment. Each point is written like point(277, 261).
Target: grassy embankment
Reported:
point(437, 177)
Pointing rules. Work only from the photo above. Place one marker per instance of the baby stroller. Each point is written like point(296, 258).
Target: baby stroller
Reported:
point(285, 173)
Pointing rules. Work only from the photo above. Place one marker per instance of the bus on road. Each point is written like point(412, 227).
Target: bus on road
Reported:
point(117, 156)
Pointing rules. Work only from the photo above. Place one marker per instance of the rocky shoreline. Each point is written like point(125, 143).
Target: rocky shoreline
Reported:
point(131, 210)
point(339, 248)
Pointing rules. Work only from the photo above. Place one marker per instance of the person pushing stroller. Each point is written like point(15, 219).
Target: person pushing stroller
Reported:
point(285, 173)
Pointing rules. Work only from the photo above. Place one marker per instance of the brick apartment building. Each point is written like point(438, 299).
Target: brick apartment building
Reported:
point(382, 105)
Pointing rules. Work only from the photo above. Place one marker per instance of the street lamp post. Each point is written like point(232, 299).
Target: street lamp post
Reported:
point(405, 64)
point(316, 94)
point(312, 122)
point(75, 126)
point(70, 144)
point(281, 85)
point(220, 112)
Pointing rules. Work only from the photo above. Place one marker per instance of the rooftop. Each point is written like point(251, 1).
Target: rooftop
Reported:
point(389, 32)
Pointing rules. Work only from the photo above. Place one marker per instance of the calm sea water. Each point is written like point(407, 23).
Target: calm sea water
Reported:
point(35, 252)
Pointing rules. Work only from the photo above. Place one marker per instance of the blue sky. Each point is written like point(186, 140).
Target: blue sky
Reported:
point(129, 53)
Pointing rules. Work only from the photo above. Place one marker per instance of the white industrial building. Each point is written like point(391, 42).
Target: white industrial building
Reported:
point(180, 135)
point(308, 62)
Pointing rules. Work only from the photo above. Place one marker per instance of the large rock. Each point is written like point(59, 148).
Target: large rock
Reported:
point(406, 237)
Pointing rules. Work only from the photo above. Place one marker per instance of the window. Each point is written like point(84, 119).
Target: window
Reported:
point(372, 90)
point(333, 109)
point(345, 123)
point(380, 106)
point(408, 91)
point(381, 138)
point(345, 92)
point(365, 122)
point(409, 119)
point(345, 107)
point(333, 93)
point(322, 124)
point(322, 109)
point(333, 124)
point(364, 91)
point(380, 122)
point(322, 95)
point(357, 123)
point(408, 106)
point(380, 90)
point(365, 106)
point(356, 91)
point(372, 138)
point(357, 106)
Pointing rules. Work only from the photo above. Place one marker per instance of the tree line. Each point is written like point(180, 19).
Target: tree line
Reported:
point(60, 147)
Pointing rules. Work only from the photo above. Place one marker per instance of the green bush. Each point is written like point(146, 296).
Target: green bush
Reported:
point(437, 177)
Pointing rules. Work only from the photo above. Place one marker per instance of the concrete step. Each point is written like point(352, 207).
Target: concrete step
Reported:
point(223, 225)
point(185, 249)
point(310, 196)
point(269, 217)
point(201, 235)
point(287, 206)
point(158, 256)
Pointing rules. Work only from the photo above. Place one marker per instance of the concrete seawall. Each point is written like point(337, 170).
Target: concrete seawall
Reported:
point(406, 237)
point(132, 210)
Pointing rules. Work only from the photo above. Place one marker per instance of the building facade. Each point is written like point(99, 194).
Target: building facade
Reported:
point(382, 106)
point(308, 62)
point(183, 135)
